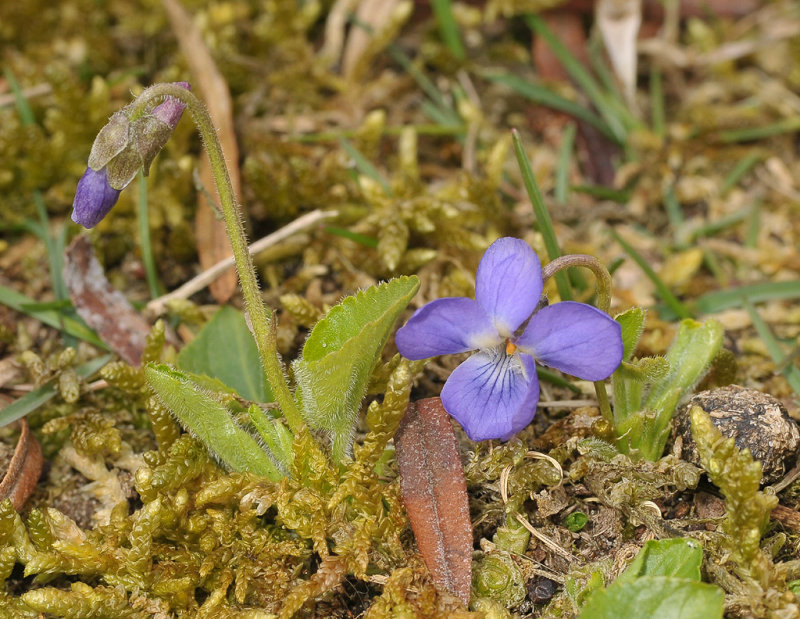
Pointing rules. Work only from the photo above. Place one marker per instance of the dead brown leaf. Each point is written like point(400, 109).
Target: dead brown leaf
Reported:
point(23, 470)
point(212, 239)
point(104, 309)
point(435, 494)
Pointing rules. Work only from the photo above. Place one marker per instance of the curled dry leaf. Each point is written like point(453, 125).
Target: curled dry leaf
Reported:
point(23, 470)
point(212, 238)
point(435, 494)
point(104, 309)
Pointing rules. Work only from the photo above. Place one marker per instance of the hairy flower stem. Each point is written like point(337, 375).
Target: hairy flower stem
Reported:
point(603, 290)
point(264, 327)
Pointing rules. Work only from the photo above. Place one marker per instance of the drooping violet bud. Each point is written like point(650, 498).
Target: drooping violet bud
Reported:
point(120, 150)
point(94, 198)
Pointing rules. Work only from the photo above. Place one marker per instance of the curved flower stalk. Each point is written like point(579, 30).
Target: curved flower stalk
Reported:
point(493, 394)
point(125, 145)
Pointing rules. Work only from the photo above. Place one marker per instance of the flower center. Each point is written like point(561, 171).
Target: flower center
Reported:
point(510, 347)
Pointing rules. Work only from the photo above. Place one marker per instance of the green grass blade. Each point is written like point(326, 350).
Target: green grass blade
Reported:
point(41, 395)
point(67, 324)
point(364, 166)
point(356, 237)
point(739, 171)
point(143, 217)
point(542, 215)
point(448, 27)
point(753, 225)
point(55, 258)
point(674, 212)
point(621, 196)
point(23, 107)
point(554, 378)
point(719, 300)
point(790, 371)
point(583, 78)
point(787, 125)
point(548, 98)
point(564, 161)
point(666, 295)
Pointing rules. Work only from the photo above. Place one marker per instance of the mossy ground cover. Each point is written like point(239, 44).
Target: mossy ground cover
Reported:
point(403, 134)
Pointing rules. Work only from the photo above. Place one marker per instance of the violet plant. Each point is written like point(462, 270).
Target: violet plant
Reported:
point(334, 369)
point(494, 393)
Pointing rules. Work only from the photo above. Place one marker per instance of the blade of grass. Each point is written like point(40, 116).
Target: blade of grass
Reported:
point(787, 125)
point(739, 171)
point(618, 124)
point(719, 300)
point(753, 225)
point(543, 96)
point(666, 295)
point(712, 264)
point(361, 239)
point(448, 27)
point(791, 372)
point(143, 217)
point(23, 107)
point(555, 378)
point(74, 326)
point(542, 216)
point(717, 225)
point(41, 395)
point(365, 166)
point(674, 214)
point(564, 160)
point(621, 196)
point(423, 129)
point(54, 257)
point(423, 81)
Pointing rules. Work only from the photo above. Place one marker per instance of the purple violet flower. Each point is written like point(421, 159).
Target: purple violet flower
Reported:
point(493, 394)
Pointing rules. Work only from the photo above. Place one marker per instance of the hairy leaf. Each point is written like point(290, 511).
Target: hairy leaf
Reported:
point(333, 373)
point(209, 421)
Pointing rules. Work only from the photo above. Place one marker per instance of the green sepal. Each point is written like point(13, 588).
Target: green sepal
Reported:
point(632, 323)
point(210, 421)
point(333, 373)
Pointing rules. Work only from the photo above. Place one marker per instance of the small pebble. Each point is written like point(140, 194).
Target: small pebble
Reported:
point(757, 421)
point(541, 589)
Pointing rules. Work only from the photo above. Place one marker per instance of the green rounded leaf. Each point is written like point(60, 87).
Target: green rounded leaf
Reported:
point(340, 353)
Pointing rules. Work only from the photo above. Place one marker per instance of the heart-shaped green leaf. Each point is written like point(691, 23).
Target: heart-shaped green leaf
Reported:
point(340, 353)
point(208, 420)
point(225, 349)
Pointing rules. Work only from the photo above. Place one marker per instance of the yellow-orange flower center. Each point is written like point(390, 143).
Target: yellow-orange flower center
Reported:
point(510, 347)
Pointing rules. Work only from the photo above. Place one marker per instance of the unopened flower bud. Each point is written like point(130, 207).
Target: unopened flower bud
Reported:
point(121, 149)
point(94, 197)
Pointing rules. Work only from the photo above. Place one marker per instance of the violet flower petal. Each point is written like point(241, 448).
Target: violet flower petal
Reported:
point(445, 327)
point(171, 109)
point(508, 283)
point(94, 197)
point(575, 338)
point(492, 395)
